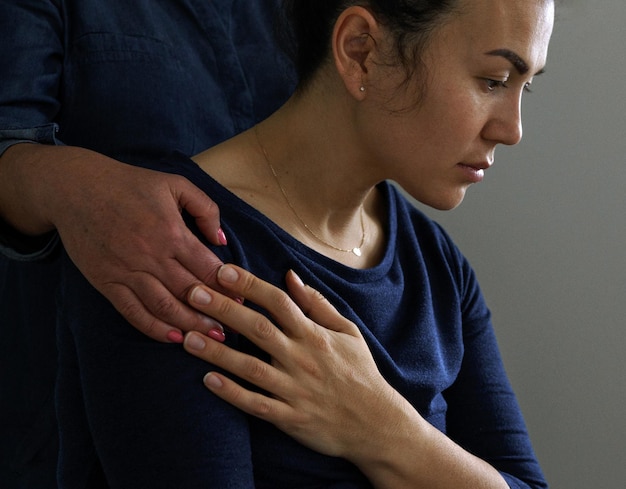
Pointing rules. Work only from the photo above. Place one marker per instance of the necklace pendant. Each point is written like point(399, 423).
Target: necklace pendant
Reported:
point(356, 251)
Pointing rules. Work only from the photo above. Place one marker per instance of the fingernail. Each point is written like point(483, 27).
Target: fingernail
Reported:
point(217, 335)
point(200, 296)
point(298, 279)
point(175, 336)
point(227, 274)
point(210, 323)
point(221, 237)
point(194, 342)
point(212, 381)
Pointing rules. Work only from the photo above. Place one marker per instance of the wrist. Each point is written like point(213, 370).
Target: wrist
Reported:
point(22, 194)
point(414, 454)
point(397, 432)
point(40, 182)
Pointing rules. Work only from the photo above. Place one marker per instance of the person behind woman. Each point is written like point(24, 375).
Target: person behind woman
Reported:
point(400, 384)
point(97, 83)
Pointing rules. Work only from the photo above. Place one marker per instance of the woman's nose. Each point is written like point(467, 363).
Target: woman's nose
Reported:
point(505, 125)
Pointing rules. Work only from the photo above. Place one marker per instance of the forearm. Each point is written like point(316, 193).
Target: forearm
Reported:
point(410, 453)
point(122, 227)
point(37, 181)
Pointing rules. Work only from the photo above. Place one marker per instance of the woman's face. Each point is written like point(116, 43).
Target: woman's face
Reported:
point(478, 66)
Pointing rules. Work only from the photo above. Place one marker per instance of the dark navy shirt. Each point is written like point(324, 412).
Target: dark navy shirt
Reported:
point(138, 412)
point(130, 79)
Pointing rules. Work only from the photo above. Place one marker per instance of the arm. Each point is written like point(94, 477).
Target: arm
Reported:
point(317, 357)
point(121, 225)
point(136, 408)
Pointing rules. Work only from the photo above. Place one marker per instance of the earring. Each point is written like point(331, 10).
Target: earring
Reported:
point(362, 88)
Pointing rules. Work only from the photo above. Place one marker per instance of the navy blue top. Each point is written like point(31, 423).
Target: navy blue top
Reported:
point(149, 421)
point(133, 80)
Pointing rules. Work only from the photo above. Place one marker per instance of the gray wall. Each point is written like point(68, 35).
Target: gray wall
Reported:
point(546, 234)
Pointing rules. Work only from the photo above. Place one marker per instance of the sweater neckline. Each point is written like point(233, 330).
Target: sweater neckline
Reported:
point(240, 207)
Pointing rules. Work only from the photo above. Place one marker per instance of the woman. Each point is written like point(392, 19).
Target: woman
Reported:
point(400, 386)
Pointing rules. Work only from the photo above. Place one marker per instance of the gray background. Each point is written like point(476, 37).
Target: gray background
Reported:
point(546, 234)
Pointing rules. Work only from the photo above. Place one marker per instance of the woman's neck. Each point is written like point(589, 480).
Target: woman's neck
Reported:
point(300, 168)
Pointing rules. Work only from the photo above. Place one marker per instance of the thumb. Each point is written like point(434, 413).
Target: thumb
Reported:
point(316, 307)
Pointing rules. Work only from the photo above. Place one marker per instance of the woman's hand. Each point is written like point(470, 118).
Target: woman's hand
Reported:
point(324, 389)
point(323, 386)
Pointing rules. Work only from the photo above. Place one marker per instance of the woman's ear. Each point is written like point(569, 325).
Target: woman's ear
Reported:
point(354, 42)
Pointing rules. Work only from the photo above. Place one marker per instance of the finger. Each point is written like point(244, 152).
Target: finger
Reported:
point(198, 262)
point(244, 366)
point(252, 324)
point(315, 306)
point(194, 263)
point(202, 209)
point(276, 301)
point(129, 306)
point(253, 403)
point(153, 309)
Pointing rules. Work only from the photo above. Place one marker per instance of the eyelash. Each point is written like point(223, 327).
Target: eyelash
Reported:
point(493, 84)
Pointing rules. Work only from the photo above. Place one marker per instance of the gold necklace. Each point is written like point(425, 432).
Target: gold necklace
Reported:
point(356, 250)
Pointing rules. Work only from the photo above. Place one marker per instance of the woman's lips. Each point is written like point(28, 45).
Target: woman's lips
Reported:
point(474, 172)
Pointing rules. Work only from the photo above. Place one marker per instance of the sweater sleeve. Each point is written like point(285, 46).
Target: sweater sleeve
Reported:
point(483, 413)
point(134, 412)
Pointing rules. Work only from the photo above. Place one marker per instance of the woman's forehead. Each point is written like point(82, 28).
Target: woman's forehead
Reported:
point(516, 30)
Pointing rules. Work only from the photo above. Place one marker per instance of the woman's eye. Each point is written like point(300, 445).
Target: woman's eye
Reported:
point(493, 84)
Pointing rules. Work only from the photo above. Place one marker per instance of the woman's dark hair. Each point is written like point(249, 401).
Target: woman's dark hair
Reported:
point(310, 24)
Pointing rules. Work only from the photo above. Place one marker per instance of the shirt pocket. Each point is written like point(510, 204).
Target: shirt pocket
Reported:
point(125, 95)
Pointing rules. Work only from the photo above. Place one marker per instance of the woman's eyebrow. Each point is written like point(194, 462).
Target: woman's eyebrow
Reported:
point(520, 65)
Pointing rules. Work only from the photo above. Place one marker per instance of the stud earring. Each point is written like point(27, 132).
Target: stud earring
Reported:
point(362, 88)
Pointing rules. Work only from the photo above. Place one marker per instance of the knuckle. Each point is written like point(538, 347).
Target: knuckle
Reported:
point(177, 180)
point(177, 235)
point(263, 328)
point(135, 315)
point(211, 209)
point(317, 296)
point(283, 302)
point(165, 307)
point(311, 368)
point(224, 308)
point(218, 355)
point(321, 342)
point(248, 283)
point(213, 264)
point(261, 408)
point(256, 370)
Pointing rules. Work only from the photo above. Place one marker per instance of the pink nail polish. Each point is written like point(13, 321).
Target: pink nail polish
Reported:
point(221, 237)
point(175, 336)
point(217, 335)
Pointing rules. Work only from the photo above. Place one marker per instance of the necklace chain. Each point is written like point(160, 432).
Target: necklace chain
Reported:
point(356, 250)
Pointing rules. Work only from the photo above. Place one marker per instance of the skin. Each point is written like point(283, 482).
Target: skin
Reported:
point(93, 201)
point(330, 145)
